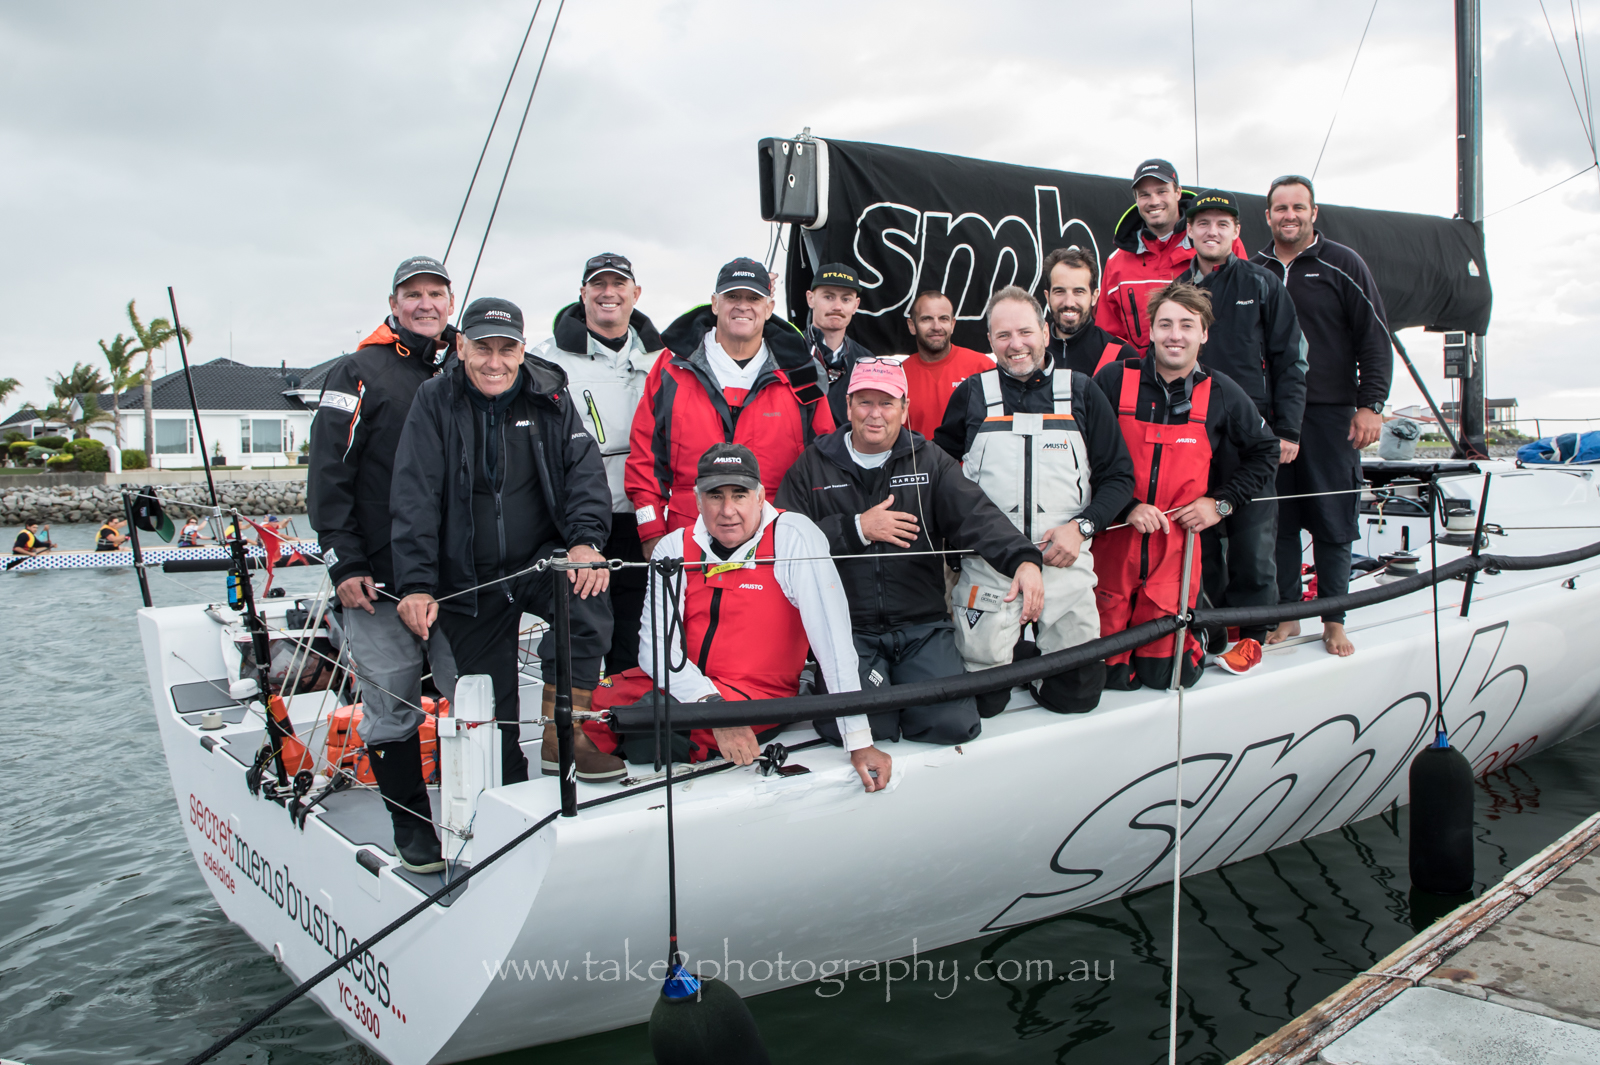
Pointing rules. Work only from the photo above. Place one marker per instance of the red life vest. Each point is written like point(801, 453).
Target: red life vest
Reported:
point(1171, 463)
point(741, 630)
point(1108, 356)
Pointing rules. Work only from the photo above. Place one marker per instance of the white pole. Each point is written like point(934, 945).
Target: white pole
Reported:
point(1181, 637)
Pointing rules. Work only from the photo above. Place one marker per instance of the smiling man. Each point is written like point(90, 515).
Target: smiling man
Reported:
point(1178, 419)
point(731, 373)
point(1072, 289)
point(937, 366)
point(1042, 443)
point(363, 408)
point(495, 472)
point(887, 501)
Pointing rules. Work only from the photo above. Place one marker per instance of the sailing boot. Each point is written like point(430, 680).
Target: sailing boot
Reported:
point(398, 769)
point(594, 765)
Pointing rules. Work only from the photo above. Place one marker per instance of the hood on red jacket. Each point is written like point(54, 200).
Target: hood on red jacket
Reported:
point(789, 348)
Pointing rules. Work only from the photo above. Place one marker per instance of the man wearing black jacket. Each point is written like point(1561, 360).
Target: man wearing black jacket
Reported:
point(1256, 342)
point(834, 298)
point(495, 472)
point(360, 415)
point(885, 498)
point(1072, 288)
point(1043, 444)
point(1347, 382)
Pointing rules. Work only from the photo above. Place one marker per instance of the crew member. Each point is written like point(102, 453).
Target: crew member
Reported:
point(190, 535)
point(28, 541)
point(495, 472)
point(1043, 444)
point(110, 537)
point(1150, 249)
point(363, 409)
point(732, 373)
point(1072, 289)
point(888, 501)
point(607, 347)
point(1350, 364)
point(1255, 340)
point(937, 366)
point(757, 589)
point(1176, 416)
point(834, 298)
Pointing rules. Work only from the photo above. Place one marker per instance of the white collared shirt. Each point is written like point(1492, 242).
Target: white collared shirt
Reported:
point(728, 373)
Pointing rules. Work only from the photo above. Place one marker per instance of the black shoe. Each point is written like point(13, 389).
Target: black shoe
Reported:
point(993, 704)
point(1077, 691)
point(1122, 677)
point(419, 849)
point(398, 769)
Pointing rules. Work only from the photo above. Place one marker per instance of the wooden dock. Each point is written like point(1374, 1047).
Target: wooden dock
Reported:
point(1511, 977)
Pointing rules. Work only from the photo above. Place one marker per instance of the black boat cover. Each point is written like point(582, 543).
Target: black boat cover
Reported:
point(910, 220)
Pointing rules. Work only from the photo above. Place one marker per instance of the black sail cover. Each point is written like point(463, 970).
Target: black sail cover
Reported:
point(910, 220)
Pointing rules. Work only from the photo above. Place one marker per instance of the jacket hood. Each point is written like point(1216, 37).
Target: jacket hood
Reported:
point(789, 349)
point(545, 380)
point(408, 343)
point(1131, 225)
point(571, 329)
point(832, 446)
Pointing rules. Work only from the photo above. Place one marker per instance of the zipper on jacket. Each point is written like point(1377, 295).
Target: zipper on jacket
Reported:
point(1027, 487)
point(1133, 313)
point(594, 413)
point(496, 487)
point(711, 628)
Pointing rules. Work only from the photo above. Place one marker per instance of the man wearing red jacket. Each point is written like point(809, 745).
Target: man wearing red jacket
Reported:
point(1152, 248)
point(731, 373)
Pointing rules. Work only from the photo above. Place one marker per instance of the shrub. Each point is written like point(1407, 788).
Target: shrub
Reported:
point(85, 444)
point(62, 463)
point(13, 435)
point(54, 443)
point(17, 450)
point(134, 458)
point(94, 460)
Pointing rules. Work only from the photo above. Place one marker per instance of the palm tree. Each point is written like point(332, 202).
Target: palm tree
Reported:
point(119, 356)
point(8, 385)
point(83, 378)
point(151, 340)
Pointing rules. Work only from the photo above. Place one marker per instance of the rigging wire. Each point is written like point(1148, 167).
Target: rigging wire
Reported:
point(1541, 192)
point(556, 22)
point(1194, 94)
point(1576, 10)
point(493, 122)
point(1348, 75)
point(1588, 128)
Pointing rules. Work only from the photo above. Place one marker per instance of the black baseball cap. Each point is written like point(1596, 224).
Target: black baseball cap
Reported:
point(608, 263)
point(838, 275)
point(419, 264)
point(746, 274)
point(491, 317)
point(725, 464)
point(1213, 200)
point(1156, 168)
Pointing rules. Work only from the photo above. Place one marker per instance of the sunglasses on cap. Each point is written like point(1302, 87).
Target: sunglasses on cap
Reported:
point(616, 263)
point(887, 360)
point(1291, 179)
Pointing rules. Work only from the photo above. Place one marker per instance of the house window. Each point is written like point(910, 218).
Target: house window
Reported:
point(173, 436)
point(260, 436)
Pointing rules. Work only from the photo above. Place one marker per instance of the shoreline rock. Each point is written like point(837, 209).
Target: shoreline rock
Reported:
point(65, 504)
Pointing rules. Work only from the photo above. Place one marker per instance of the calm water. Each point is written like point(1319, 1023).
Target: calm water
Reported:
point(111, 948)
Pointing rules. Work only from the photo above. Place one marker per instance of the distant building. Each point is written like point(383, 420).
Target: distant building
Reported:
point(32, 424)
point(1498, 413)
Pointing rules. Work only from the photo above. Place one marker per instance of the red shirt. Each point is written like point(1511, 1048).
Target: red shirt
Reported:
point(930, 384)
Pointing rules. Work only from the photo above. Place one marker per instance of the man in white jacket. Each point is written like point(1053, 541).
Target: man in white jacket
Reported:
point(607, 348)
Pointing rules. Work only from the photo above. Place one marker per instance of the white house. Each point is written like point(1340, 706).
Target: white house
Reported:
point(255, 416)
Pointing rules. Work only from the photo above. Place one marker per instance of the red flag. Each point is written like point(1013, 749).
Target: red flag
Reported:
point(270, 546)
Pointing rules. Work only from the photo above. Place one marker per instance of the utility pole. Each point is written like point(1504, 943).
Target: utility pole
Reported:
point(1469, 205)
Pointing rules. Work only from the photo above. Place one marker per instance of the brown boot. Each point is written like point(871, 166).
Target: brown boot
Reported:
point(594, 765)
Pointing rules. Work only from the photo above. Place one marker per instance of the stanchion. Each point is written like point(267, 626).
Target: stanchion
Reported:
point(1477, 544)
point(138, 555)
point(1182, 637)
point(561, 632)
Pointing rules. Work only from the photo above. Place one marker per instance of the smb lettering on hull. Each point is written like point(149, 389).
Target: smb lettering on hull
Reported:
point(1280, 788)
point(903, 250)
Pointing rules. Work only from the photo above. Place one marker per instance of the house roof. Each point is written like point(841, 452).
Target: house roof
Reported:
point(223, 384)
point(26, 414)
point(107, 401)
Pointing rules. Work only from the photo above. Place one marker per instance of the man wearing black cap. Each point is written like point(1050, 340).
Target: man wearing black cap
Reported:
point(732, 373)
point(834, 298)
point(1256, 342)
point(1151, 249)
point(362, 410)
point(495, 472)
point(607, 348)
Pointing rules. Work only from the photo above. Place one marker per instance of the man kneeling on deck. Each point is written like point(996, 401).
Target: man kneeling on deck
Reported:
point(1175, 417)
point(756, 589)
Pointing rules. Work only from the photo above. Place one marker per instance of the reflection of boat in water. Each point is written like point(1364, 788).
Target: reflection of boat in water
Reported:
point(787, 879)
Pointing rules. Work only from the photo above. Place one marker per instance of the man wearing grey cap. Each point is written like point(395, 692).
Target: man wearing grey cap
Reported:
point(494, 473)
point(357, 427)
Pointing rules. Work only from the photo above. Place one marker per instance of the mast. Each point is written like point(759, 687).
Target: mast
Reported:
point(1469, 203)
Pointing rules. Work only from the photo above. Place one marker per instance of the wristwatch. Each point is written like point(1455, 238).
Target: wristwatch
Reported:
point(1224, 508)
point(1376, 408)
point(1085, 528)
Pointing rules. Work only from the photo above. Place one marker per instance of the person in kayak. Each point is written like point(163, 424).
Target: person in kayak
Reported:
point(757, 590)
point(888, 500)
point(360, 416)
point(1256, 342)
point(1043, 444)
point(731, 373)
point(833, 300)
point(495, 472)
point(1176, 416)
point(1072, 289)
point(29, 542)
point(110, 536)
point(937, 366)
point(607, 347)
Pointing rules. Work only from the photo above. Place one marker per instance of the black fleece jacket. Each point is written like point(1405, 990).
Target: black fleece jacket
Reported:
point(431, 504)
point(1083, 350)
point(1244, 451)
point(1110, 468)
point(886, 591)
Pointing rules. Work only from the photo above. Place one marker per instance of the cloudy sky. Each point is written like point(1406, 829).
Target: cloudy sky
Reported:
point(273, 162)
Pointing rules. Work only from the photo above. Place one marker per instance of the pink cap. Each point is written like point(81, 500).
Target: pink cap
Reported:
point(883, 375)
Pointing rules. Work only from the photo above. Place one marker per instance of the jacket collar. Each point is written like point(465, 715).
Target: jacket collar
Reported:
point(571, 329)
point(1130, 232)
point(407, 343)
point(542, 381)
point(832, 447)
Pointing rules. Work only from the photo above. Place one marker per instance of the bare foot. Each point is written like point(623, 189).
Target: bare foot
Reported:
point(1286, 630)
point(1334, 639)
